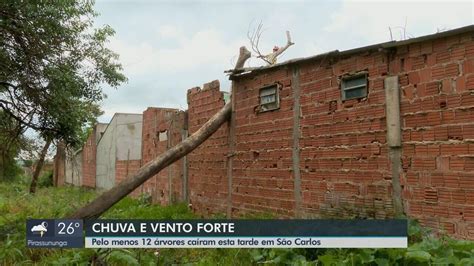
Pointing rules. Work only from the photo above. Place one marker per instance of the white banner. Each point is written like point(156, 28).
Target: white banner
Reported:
point(246, 242)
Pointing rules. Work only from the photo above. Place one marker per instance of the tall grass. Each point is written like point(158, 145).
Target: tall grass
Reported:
point(17, 205)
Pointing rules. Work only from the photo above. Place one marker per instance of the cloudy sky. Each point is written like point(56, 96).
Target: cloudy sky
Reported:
point(167, 47)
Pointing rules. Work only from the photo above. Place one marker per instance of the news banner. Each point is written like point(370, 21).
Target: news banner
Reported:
point(67, 233)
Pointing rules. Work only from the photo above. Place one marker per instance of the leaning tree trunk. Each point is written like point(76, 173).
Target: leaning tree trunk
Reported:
point(39, 166)
point(98, 206)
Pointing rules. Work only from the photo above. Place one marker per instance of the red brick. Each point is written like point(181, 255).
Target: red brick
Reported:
point(345, 168)
point(468, 131)
point(469, 82)
point(468, 66)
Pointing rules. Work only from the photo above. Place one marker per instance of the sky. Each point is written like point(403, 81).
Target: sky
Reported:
point(168, 47)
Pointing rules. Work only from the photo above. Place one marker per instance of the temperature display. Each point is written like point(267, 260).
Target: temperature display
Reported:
point(69, 228)
point(49, 233)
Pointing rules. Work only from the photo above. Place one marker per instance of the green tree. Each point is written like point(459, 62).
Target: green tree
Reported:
point(52, 65)
point(11, 141)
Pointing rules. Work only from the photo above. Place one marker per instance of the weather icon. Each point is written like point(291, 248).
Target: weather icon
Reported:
point(41, 228)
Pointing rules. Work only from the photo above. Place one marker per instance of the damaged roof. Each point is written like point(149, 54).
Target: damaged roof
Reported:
point(234, 73)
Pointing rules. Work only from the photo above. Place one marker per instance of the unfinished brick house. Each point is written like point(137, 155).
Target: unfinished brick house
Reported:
point(368, 132)
point(372, 132)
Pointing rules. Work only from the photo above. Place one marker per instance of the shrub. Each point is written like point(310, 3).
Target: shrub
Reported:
point(45, 179)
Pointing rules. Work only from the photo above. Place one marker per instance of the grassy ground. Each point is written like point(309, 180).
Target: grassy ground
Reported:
point(16, 205)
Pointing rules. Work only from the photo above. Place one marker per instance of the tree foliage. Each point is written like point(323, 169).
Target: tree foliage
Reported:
point(11, 141)
point(52, 65)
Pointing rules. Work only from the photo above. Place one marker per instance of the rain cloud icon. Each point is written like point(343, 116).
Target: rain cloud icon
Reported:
point(41, 228)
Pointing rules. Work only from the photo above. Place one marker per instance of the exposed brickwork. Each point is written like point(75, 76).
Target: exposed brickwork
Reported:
point(207, 163)
point(438, 132)
point(344, 155)
point(344, 161)
point(162, 129)
point(262, 165)
point(125, 169)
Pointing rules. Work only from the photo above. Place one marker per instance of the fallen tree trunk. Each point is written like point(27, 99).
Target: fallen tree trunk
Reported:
point(98, 206)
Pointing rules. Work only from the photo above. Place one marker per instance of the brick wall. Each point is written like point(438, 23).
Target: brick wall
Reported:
point(262, 166)
point(207, 163)
point(343, 153)
point(345, 170)
point(437, 82)
point(126, 168)
point(343, 158)
point(163, 129)
point(319, 156)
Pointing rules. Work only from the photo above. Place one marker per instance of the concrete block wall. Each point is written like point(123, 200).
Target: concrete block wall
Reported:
point(437, 107)
point(207, 163)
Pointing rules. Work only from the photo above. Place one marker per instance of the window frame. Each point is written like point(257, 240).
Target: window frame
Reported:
point(355, 76)
point(263, 107)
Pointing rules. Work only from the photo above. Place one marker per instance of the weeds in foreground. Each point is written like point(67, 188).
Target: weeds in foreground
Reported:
point(17, 205)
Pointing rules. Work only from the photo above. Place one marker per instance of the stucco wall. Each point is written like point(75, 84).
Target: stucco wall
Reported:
point(120, 141)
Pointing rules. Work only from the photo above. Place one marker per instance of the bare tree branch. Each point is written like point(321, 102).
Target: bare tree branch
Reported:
point(254, 38)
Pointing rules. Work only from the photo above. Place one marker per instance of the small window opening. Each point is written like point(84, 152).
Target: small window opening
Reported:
point(354, 87)
point(162, 136)
point(269, 99)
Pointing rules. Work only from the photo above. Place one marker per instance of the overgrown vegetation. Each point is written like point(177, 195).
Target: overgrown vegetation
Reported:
point(46, 179)
point(17, 205)
point(11, 141)
point(54, 63)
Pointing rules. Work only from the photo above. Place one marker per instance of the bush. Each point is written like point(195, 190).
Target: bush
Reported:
point(45, 179)
point(9, 169)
